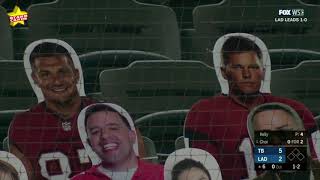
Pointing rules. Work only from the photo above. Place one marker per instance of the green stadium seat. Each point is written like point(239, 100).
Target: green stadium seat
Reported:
point(317, 119)
point(5, 119)
point(94, 62)
point(6, 45)
point(187, 49)
point(179, 143)
point(5, 144)
point(145, 87)
point(182, 8)
point(301, 83)
point(311, 2)
point(288, 58)
point(15, 89)
point(257, 18)
point(9, 4)
point(150, 150)
point(107, 25)
point(163, 128)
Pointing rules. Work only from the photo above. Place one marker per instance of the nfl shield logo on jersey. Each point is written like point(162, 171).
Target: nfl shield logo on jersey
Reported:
point(66, 126)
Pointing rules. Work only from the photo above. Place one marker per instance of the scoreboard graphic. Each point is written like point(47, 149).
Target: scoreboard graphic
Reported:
point(280, 150)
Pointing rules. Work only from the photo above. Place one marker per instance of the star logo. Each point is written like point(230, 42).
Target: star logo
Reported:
point(17, 16)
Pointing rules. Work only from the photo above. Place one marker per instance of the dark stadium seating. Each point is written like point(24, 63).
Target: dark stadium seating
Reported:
point(257, 18)
point(151, 86)
point(5, 144)
point(94, 62)
point(15, 89)
point(5, 119)
point(150, 150)
point(288, 58)
point(182, 8)
point(312, 2)
point(107, 25)
point(179, 143)
point(163, 128)
point(301, 83)
point(6, 45)
point(24, 4)
point(317, 119)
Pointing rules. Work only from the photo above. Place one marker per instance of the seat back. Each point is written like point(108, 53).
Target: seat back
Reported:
point(301, 83)
point(151, 86)
point(317, 119)
point(94, 62)
point(6, 45)
point(179, 143)
point(107, 25)
point(150, 150)
point(289, 58)
point(15, 89)
point(5, 119)
point(163, 128)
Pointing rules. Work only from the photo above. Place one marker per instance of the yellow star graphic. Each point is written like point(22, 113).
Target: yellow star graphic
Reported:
point(17, 16)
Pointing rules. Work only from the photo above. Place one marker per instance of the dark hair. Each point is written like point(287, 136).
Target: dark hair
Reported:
point(238, 44)
point(187, 164)
point(102, 107)
point(48, 49)
point(6, 167)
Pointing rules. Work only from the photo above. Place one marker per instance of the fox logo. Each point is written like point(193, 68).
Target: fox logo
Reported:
point(285, 12)
point(291, 12)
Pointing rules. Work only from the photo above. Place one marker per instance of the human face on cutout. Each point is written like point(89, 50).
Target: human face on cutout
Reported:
point(193, 174)
point(244, 73)
point(110, 138)
point(6, 175)
point(274, 120)
point(56, 78)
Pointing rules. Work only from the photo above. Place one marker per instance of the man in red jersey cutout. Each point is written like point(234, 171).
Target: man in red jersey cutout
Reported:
point(219, 124)
point(46, 137)
point(111, 135)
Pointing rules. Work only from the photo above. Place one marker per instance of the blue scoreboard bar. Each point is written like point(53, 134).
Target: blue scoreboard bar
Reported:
point(269, 155)
point(269, 150)
point(280, 150)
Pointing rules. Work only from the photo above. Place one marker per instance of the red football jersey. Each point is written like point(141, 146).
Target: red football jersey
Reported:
point(53, 146)
point(219, 126)
point(145, 171)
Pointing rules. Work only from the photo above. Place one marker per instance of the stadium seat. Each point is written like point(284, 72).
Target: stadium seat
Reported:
point(146, 87)
point(187, 49)
point(259, 19)
point(6, 45)
point(163, 128)
point(23, 5)
point(301, 83)
point(288, 58)
point(150, 150)
point(94, 62)
point(15, 89)
point(312, 2)
point(107, 25)
point(317, 119)
point(5, 144)
point(179, 143)
point(5, 119)
point(182, 8)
